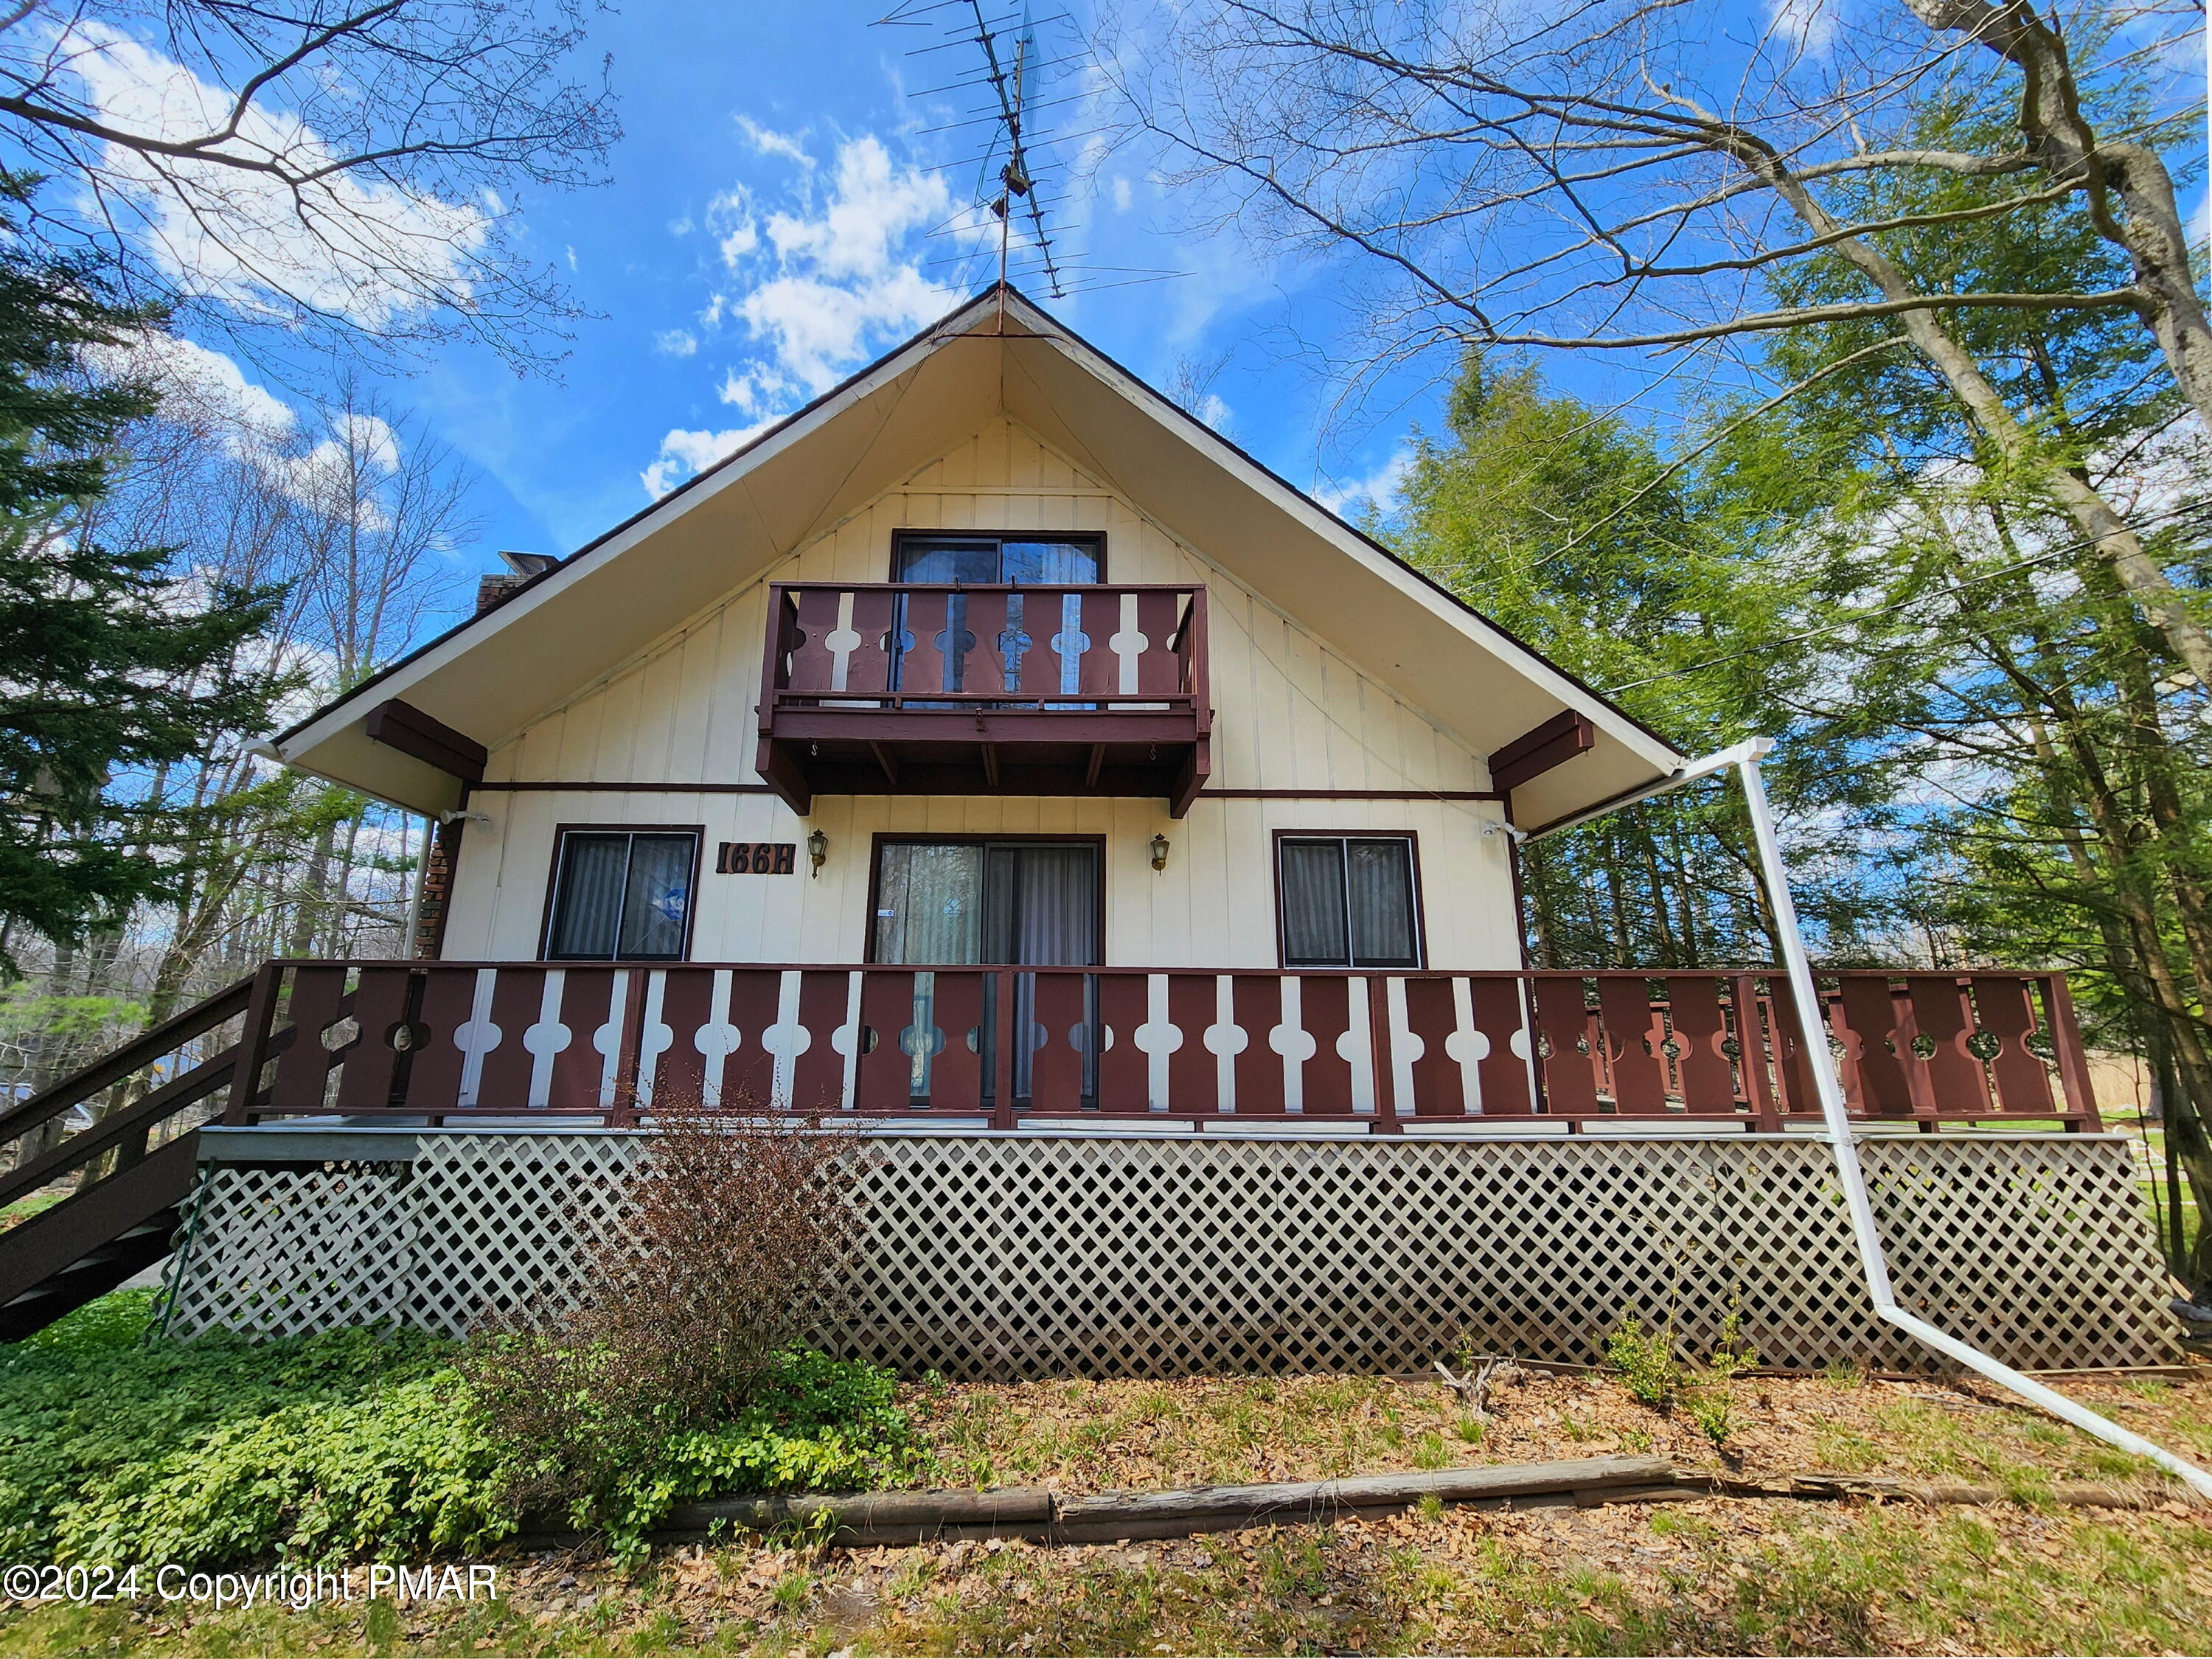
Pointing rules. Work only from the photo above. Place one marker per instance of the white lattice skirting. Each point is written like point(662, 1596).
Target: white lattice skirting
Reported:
point(1021, 1257)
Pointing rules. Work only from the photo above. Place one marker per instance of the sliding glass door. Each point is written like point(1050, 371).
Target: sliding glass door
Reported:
point(990, 560)
point(960, 904)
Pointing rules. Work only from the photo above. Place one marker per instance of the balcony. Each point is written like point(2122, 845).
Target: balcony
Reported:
point(873, 689)
point(1622, 1051)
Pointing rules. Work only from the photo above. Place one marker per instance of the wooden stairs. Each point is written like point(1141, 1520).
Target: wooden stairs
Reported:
point(133, 1168)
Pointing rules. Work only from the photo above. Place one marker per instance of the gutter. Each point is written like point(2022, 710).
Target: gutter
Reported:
point(1874, 1261)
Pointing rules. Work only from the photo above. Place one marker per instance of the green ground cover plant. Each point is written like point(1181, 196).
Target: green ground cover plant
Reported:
point(353, 1444)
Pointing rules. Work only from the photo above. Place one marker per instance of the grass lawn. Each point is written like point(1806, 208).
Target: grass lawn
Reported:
point(30, 1204)
point(1715, 1575)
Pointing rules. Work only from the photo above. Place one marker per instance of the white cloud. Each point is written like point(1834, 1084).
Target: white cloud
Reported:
point(683, 454)
point(336, 471)
point(236, 237)
point(875, 205)
point(820, 285)
point(844, 274)
point(676, 342)
point(1808, 26)
point(753, 389)
point(770, 143)
point(738, 243)
point(1123, 194)
point(1213, 411)
point(1378, 488)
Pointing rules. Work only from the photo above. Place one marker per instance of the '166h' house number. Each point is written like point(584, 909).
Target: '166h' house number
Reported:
point(756, 858)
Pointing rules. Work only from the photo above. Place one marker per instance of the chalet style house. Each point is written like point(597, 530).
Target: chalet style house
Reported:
point(991, 656)
point(994, 756)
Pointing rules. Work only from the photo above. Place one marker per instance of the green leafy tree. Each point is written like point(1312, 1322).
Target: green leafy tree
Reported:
point(1563, 524)
point(108, 661)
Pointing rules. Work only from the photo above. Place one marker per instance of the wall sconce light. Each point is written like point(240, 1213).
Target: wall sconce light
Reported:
point(817, 852)
point(1159, 852)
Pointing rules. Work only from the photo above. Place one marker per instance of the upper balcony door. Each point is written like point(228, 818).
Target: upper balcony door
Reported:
point(943, 663)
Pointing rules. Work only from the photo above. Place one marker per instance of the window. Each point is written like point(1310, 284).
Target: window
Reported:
point(1025, 560)
point(621, 895)
point(931, 558)
point(1348, 901)
point(945, 903)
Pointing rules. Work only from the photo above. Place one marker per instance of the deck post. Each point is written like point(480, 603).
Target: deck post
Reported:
point(254, 1042)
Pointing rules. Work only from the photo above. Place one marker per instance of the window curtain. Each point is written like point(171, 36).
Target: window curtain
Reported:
point(1047, 564)
point(587, 913)
point(1056, 907)
point(657, 896)
point(1381, 892)
point(929, 904)
point(1313, 904)
point(960, 902)
point(1054, 925)
point(948, 562)
point(929, 909)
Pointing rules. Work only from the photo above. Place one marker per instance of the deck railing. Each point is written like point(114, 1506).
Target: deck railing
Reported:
point(457, 1042)
point(928, 688)
point(888, 644)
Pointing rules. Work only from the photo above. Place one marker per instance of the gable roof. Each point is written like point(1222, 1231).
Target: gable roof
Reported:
point(998, 353)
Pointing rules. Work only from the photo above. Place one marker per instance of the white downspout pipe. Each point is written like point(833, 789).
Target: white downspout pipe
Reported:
point(1828, 1083)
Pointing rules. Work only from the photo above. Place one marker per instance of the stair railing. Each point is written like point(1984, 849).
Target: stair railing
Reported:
point(127, 1132)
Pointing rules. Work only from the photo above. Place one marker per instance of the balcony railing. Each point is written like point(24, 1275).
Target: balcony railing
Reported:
point(915, 688)
point(456, 1042)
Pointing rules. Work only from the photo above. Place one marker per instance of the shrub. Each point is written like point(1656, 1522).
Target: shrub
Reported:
point(1645, 1361)
point(225, 1449)
point(816, 1424)
point(356, 1442)
point(1712, 1407)
point(728, 1246)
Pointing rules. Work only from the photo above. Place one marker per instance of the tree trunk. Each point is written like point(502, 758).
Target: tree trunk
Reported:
point(2100, 524)
point(2129, 176)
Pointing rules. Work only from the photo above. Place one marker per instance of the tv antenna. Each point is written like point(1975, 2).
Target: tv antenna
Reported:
point(1011, 75)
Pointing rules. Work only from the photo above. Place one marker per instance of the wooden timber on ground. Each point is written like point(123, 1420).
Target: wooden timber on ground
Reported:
point(867, 1518)
point(863, 1520)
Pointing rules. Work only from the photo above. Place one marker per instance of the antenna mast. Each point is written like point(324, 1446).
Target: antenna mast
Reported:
point(1018, 150)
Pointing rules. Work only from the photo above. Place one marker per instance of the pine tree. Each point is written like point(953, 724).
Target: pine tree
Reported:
point(110, 662)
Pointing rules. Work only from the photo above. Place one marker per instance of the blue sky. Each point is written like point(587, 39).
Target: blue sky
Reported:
point(787, 203)
point(765, 234)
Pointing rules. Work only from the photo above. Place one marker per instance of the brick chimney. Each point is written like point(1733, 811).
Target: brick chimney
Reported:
point(520, 567)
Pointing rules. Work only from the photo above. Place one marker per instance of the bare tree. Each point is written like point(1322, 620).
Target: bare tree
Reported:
point(359, 516)
point(342, 167)
point(1640, 175)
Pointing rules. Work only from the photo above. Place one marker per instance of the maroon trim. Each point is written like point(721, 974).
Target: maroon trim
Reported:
point(882, 839)
point(1350, 795)
point(1421, 902)
point(1537, 751)
point(553, 785)
point(560, 834)
point(402, 725)
point(1098, 537)
point(550, 786)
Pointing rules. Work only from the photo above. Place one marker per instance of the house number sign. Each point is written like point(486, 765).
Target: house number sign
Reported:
point(756, 858)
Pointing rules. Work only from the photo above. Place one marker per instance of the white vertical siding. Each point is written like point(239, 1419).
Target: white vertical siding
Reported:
point(1290, 715)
